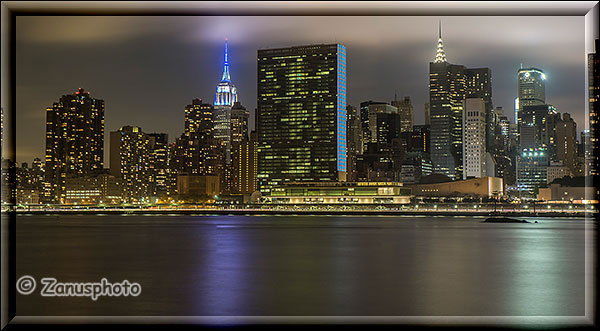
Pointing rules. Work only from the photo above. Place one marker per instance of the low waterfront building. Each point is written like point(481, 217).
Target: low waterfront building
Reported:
point(575, 194)
point(198, 186)
point(340, 193)
point(98, 188)
point(557, 170)
point(28, 196)
point(482, 187)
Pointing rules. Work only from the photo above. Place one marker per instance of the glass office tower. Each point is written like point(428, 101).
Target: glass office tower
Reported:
point(301, 115)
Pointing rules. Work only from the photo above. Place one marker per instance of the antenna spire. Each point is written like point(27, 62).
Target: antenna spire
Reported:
point(440, 56)
point(226, 76)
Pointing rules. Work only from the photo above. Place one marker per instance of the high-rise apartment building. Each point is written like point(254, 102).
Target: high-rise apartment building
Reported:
point(159, 163)
point(74, 140)
point(197, 152)
point(245, 166)
point(130, 159)
point(566, 141)
point(198, 120)
point(301, 118)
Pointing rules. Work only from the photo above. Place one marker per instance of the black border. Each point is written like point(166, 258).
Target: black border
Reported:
point(12, 9)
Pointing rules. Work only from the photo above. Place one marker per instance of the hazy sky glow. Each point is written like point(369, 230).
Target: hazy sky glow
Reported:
point(147, 69)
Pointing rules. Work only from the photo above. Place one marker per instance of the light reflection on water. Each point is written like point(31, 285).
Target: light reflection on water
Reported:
point(308, 265)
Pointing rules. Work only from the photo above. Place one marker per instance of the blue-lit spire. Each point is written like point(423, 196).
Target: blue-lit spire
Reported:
point(226, 77)
point(226, 94)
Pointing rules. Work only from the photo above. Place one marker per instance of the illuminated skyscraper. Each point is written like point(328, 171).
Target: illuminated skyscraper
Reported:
point(74, 140)
point(239, 123)
point(244, 164)
point(225, 97)
point(159, 163)
point(531, 89)
point(449, 85)
point(301, 117)
point(197, 151)
point(198, 119)
point(130, 158)
point(474, 150)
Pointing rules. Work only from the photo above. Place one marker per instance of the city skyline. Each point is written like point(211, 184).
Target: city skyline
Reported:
point(149, 113)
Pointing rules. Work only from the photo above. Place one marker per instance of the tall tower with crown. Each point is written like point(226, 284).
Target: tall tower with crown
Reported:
point(449, 86)
point(225, 97)
point(440, 56)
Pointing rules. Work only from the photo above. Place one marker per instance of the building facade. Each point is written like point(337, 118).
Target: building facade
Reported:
point(406, 112)
point(245, 166)
point(474, 132)
point(159, 164)
point(354, 140)
point(301, 118)
point(74, 140)
point(130, 159)
point(449, 85)
point(532, 171)
point(225, 97)
point(565, 142)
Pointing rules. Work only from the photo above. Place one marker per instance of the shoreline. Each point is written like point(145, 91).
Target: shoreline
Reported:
point(261, 212)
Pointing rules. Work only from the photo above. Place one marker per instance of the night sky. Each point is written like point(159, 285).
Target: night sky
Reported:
point(147, 69)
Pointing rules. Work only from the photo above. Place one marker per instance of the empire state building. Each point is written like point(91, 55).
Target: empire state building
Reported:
point(225, 97)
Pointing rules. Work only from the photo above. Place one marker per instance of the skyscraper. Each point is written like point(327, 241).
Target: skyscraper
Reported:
point(197, 151)
point(531, 89)
point(245, 161)
point(368, 117)
point(225, 97)
point(130, 158)
point(474, 130)
point(198, 119)
point(159, 163)
point(301, 118)
point(566, 141)
point(74, 140)
point(407, 113)
point(535, 126)
point(449, 85)
point(239, 123)
point(354, 140)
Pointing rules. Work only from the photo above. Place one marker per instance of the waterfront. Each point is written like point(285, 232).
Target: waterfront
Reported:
point(307, 265)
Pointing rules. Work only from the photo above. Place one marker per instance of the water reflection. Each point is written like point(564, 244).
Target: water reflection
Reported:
point(300, 265)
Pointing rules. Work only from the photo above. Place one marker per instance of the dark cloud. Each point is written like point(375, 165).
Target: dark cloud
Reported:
point(148, 68)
